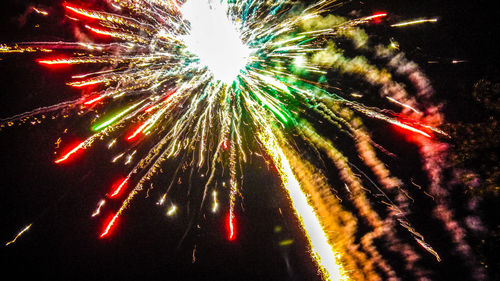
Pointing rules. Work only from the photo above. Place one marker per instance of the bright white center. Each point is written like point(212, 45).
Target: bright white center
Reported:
point(214, 39)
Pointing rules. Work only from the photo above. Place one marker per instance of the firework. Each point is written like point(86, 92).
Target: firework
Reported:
point(204, 79)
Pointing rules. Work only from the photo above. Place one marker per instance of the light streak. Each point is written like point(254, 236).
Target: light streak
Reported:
point(18, 235)
point(40, 11)
point(137, 131)
point(117, 157)
point(413, 22)
point(101, 31)
point(94, 100)
point(322, 252)
point(118, 188)
point(129, 157)
point(286, 242)
point(55, 61)
point(115, 117)
point(98, 209)
point(85, 84)
point(377, 15)
point(172, 210)
point(403, 105)
point(111, 144)
point(110, 226)
point(71, 152)
point(162, 200)
point(410, 128)
point(231, 226)
point(215, 205)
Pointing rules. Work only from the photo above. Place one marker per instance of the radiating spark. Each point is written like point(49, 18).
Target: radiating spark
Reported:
point(231, 227)
point(19, 234)
point(321, 250)
point(111, 143)
point(215, 205)
point(413, 22)
point(162, 200)
point(98, 209)
point(286, 242)
point(117, 157)
point(403, 105)
point(172, 210)
point(70, 153)
point(376, 16)
point(94, 100)
point(129, 157)
point(137, 131)
point(58, 61)
point(40, 11)
point(110, 226)
point(118, 188)
point(426, 246)
point(115, 118)
point(410, 128)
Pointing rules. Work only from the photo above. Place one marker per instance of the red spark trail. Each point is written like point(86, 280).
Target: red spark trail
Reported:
point(70, 153)
point(109, 226)
point(230, 226)
point(118, 188)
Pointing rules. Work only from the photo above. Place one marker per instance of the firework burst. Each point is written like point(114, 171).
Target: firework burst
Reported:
point(202, 83)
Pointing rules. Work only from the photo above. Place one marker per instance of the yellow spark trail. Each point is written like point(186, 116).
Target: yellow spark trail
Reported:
point(321, 251)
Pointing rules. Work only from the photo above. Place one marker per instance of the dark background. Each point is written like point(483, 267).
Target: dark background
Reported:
point(63, 242)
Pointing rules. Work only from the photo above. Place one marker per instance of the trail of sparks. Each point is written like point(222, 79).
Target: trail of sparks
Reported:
point(19, 235)
point(230, 225)
point(413, 22)
point(70, 153)
point(172, 210)
point(199, 83)
point(215, 205)
point(98, 210)
point(118, 189)
point(109, 226)
point(321, 250)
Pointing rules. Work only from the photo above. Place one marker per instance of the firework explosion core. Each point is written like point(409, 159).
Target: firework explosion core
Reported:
point(214, 39)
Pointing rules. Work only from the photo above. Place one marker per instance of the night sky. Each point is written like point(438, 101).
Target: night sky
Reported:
point(63, 243)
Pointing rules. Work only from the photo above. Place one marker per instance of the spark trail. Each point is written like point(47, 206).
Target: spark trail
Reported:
point(203, 79)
